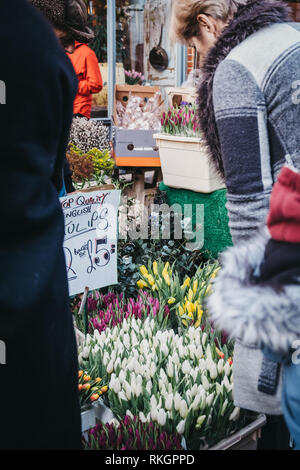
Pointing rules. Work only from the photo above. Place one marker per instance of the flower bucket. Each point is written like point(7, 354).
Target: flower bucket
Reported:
point(102, 412)
point(88, 419)
point(245, 439)
point(186, 164)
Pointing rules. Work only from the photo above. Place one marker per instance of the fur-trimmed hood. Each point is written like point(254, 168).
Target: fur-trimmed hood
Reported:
point(249, 310)
point(249, 19)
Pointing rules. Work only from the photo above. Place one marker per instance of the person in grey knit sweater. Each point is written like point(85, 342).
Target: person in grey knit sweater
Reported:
point(250, 114)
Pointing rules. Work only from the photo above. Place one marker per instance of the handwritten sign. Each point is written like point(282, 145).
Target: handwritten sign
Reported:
point(90, 246)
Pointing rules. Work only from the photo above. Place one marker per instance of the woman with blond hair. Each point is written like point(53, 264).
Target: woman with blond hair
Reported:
point(250, 55)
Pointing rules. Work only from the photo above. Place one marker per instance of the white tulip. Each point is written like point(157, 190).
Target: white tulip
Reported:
point(180, 427)
point(169, 402)
point(177, 401)
point(152, 324)
point(96, 335)
point(196, 402)
point(200, 421)
point(152, 369)
point(183, 410)
point(194, 390)
point(128, 390)
point(110, 367)
point(142, 417)
point(220, 366)
point(122, 377)
point(210, 399)
point(175, 359)
point(219, 389)
point(163, 376)
point(202, 403)
point(126, 341)
point(153, 402)
point(204, 338)
point(154, 414)
point(138, 390)
point(170, 369)
point(149, 387)
point(194, 373)
point(128, 413)
point(122, 396)
point(227, 369)
point(202, 364)
point(186, 368)
point(162, 417)
point(205, 382)
point(96, 348)
point(117, 386)
point(235, 414)
point(213, 372)
point(199, 352)
point(226, 383)
point(86, 352)
point(224, 407)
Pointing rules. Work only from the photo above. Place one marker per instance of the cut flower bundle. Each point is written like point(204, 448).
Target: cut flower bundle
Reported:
point(182, 383)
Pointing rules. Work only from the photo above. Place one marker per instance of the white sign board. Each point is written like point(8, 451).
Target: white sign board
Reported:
point(91, 234)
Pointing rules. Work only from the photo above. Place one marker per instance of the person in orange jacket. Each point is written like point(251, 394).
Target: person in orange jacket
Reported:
point(90, 81)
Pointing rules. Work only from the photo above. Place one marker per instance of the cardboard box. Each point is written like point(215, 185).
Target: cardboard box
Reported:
point(134, 148)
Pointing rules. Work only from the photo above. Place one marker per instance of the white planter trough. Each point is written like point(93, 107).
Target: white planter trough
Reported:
point(185, 164)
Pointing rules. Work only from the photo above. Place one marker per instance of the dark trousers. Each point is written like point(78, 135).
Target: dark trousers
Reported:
point(275, 435)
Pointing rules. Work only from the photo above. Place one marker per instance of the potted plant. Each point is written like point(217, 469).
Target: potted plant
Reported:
point(185, 159)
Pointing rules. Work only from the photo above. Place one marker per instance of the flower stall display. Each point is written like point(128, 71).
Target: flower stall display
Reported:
point(132, 77)
point(185, 159)
point(184, 383)
point(131, 434)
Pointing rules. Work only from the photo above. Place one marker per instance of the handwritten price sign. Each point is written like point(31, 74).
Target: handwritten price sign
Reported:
point(91, 234)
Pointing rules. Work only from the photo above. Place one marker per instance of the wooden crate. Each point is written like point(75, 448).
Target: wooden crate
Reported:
point(134, 148)
point(177, 95)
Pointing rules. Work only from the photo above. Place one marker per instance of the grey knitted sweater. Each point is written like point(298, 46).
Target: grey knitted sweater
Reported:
point(249, 108)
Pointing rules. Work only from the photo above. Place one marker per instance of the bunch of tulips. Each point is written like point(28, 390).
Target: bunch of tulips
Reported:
point(181, 121)
point(90, 390)
point(131, 434)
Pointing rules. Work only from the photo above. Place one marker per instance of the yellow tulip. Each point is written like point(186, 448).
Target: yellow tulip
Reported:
point(208, 290)
point(154, 288)
point(141, 284)
point(190, 295)
point(197, 324)
point(151, 280)
point(144, 271)
point(167, 279)
point(187, 282)
point(195, 286)
point(190, 315)
point(188, 307)
point(167, 266)
point(171, 301)
point(155, 268)
point(180, 310)
point(199, 313)
point(185, 323)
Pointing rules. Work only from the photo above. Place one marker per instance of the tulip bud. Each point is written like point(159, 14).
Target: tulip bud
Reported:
point(180, 427)
point(220, 366)
point(205, 382)
point(213, 371)
point(183, 410)
point(169, 402)
point(200, 421)
point(162, 417)
point(204, 338)
point(235, 414)
point(177, 401)
point(186, 368)
point(110, 367)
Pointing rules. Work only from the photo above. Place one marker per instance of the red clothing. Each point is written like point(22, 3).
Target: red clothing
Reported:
point(284, 216)
point(87, 69)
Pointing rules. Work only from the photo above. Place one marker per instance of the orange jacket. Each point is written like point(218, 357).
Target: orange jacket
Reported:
point(87, 69)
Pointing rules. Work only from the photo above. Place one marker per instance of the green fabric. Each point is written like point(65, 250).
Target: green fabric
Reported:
point(216, 229)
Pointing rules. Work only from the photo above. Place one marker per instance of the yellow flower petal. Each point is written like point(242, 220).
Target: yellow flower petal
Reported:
point(144, 270)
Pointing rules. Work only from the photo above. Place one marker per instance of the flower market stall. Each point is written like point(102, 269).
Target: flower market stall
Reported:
point(155, 366)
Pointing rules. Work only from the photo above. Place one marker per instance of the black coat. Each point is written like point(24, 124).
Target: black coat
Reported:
point(38, 384)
